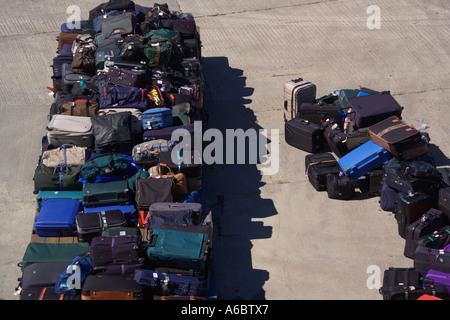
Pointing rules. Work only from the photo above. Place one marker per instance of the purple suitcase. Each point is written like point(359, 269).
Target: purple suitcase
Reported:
point(437, 278)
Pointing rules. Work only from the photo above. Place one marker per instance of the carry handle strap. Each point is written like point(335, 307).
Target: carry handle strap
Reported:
point(152, 240)
point(165, 166)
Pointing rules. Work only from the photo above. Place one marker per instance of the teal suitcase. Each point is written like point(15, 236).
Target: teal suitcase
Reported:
point(178, 249)
point(109, 193)
point(45, 195)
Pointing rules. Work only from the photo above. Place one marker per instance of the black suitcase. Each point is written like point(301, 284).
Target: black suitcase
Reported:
point(389, 198)
point(414, 293)
point(394, 277)
point(436, 240)
point(375, 180)
point(356, 137)
point(431, 221)
point(303, 135)
point(317, 166)
point(444, 200)
point(319, 112)
point(45, 293)
point(92, 224)
point(426, 259)
point(111, 287)
point(335, 137)
point(150, 190)
point(340, 187)
point(409, 208)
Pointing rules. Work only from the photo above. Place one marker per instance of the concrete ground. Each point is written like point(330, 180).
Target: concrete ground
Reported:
point(277, 238)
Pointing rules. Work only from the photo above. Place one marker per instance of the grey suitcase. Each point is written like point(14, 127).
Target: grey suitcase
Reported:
point(296, 92)
point(74, 130)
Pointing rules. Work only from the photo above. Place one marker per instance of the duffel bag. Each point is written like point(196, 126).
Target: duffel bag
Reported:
point(105, 165)
point(123, 97)
point(66, 154)
point(57, 178)
point(79, 107)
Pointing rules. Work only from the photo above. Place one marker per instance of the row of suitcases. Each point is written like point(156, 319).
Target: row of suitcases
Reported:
point(356, 139)
point(117, 217)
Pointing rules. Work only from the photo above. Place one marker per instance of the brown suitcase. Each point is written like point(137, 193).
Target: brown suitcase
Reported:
point(395, 135)
point(296, 92)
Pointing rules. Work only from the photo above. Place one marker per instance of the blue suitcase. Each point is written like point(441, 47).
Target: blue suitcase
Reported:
point(128, 210)
point(57, 217)
point(364, 159)
point(157, 118)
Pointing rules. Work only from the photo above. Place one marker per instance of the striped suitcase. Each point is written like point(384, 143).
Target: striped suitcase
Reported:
point(296, 92)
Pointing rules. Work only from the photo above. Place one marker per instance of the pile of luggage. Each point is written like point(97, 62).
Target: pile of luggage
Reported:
point(117, 217)
point(356, 138)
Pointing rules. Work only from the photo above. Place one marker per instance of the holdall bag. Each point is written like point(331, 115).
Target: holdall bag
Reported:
point(317, 166)
point(84, 61)
point(303, 135)
point(174, 213)
point(159, 46)
point(156, 97)
point(79, 107)
point(121, 24)
point(66, 154)
point(64, 129)
point(394, 277)
point(436, 240)
point(136, 118)
point(394, 135)
point(132, 48)
point(57, 178)
point(124, 97)
point(421, 170)
point(106, 48)
point(112, 130)
point(106, 193)
point(83, 265)
point(157, 118)
point(126, 77)
point(92, 224)
point(429, 222)
point(148, 152)
point(409, 208)
point(339, 187)
point(108, 165)
point(169, 284)
point(426, 259)
point(125, 250)
point(181, 186)
point(296, 92)
point(56, 217)
point(111, 287)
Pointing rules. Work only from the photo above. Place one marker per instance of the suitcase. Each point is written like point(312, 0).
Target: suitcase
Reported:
point(111, 287)
point(339, 187)
point(164, 250)
point(375, 180)
point(345, 94)
point(389, 198)
point(42, 274)
point(128, 210)
point(189, 164)
point(431, 221)
point(437, 278)
point(319, 112)
point(296, 92)
point(415, 293)
point(92, 224)
point(71, 78)
point(166, 134)
point(371, 109)
point(173, 213)
point(335, 137)
point(157, 118)
point(112, 130)
point(303, 135)
point(45, 293)
point(356, 137)
point(409, 208)
point(124, 97)
point(63, 129)
point(394, 277)
point(436, 240)
point(149, 191)
point(444, 200)
point(57, 217)
point(364, 159)
point(106, 193)
point(426, 259)
point(45, 195)
point(121, 231)
point(57, 67)
point(126, 77)
point(395, 135)
point(148, 152)
point(136, 119)
point(317, 166)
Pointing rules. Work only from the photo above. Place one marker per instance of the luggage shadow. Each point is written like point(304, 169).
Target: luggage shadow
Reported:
point(236, 187)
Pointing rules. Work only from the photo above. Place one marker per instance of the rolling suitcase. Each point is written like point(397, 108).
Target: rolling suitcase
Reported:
point(340, 187)
point(45, 293)
point(356, 137)
point(296, 92)
point(75, 130)
point(319, 112)
point(173, 213)
point(42, 274)
point(149, 191)
point(444, 200)
point(375, 180)
point(438, 239)
point(437, 278)
point(395, 135)
point(56, 218)
point(431, 221)
point(394, 277)
point(45, 195)
point(388, 198)
point(345, 94)
point(166, 134)
point(371, 109)
point(157, 118)
point(409, 208)
point(364, 159)
point(318, 166)
point(426, 259)
point(92, 224)
point(414, 293)
point(303, 135)
point(111, 287)
point(129, 211)
point(106, 193)
point(335, 137)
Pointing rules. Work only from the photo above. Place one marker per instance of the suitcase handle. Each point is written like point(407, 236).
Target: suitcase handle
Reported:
point(152, 240)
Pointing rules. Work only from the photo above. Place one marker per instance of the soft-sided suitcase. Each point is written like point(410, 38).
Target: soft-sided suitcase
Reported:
point(394, 277)
point(371, 109)
point(415, 293)
point(340, 187)
point(356, 137)
point(364, 159)
point(429, 222)
point(128, 210)
point(126, 77)
point(75, 130)
point(45, 293)
point(187, 132)
point(444, 200)
point(303, 135)
point(42, 274)
point(335, 137)
point(92, 224)
point(157, 118)
point(149, 191)
point(319, 112)
point(296, 92)
point(438, 239)
point(111, 287)
point(437, 278)
point(409, 208)
point(174, 213)
point(56, 217)
point(395, 135)
point(164, 249)
point(426, 259)
point(106, 193)
point(112, 130)
point(388, 198)
point(317, 166)
point(148, 152)
point(375, 181)
point(345, 94)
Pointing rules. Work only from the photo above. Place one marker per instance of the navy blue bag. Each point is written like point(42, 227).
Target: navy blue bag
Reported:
point(124, 97)
point(81, 266)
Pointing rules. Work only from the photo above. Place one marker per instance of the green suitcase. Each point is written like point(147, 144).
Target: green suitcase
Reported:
point(106, 193)
point(45, 195)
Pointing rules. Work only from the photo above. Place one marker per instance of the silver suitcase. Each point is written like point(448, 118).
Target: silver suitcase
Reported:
point(74, 130)
point(296, 92)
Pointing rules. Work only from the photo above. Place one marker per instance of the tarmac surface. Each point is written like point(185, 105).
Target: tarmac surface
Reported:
point(277, 238)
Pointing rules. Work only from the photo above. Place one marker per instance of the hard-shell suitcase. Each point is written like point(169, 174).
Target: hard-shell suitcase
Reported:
point(56, 217)
point(426, 259)
point(437, 278)
point(296, 92)
point(45, 195)
point(75, 130)
point(317, 166)
point(106, 193)
point(303, 135)
point(164, 249)
point(157, 118)
point(319, 112)
point(395, 135)
point(394, 277)
point(429, 222)
point(371, 109)
point(409, 208)
point(92, 224)
point(436, 240)
point(111, 287)
point(116, 250)
point(335, 137)
point(364, 159)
